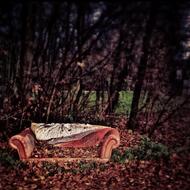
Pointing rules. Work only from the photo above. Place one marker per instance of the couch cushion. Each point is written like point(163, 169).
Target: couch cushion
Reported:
point(65, 131)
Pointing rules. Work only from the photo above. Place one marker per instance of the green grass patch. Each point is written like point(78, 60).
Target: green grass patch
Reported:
point(124, 103)
point(92, 98)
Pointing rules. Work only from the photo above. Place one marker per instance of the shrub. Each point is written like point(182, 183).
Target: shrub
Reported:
point(8, 159)
point(147, 150)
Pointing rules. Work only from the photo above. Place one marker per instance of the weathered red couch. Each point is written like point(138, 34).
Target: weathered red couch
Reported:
point(106, 138)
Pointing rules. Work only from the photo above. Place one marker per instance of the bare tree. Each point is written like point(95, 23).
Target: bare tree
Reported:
point(143, 63)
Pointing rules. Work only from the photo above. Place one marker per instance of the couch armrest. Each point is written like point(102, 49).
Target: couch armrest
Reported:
point(110, 141)
point(24, 143)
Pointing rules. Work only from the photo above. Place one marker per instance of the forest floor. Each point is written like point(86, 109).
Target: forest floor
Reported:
point(171, 173)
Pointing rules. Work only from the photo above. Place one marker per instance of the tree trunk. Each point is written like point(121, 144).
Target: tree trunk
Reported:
point(142, 65)
point(113, 93)
point(27, 45)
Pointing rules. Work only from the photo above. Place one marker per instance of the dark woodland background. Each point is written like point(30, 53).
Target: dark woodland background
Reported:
point(69, 61)
point(124, 64)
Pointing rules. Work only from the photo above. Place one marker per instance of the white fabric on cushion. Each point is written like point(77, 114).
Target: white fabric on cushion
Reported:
point(68, 131)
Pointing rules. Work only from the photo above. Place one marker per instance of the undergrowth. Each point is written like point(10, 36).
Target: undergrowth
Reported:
point(146, 150)
point(8, 159)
